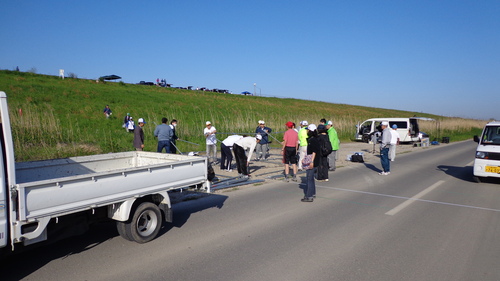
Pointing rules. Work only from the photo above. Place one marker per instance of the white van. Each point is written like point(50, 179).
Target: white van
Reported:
point(487, 162)
point(407, 128)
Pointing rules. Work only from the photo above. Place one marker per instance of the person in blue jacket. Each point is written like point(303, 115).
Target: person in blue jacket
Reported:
point(262, 148)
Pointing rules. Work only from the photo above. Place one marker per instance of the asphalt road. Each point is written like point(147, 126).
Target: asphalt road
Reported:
point(428, 220)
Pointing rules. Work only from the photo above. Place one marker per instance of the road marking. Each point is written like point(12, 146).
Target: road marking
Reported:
point(411, 200)
point(407, 198)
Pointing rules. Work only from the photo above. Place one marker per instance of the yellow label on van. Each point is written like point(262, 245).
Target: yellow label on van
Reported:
point(492, 169)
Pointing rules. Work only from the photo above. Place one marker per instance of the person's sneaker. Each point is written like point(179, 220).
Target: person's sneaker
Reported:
point(286, 178)
point(326, 179)
point(294, 178)
point(384, 173)
point(229, 170)
point(305, 199)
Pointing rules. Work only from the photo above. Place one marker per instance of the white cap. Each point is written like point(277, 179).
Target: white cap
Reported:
point(259, 137)
point(329, 122)
point(208, 123)
point(304, 123)
point(311, 127)
point(261, 122)
point(385, 123)
point(141, 120)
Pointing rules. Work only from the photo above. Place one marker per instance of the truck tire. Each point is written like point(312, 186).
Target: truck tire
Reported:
point(145, 223)
point(365, 138)
point(121, 226)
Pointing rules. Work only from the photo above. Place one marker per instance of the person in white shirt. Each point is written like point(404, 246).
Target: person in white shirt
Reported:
point(211, 141)
point(239, 148)
point(394, 142)
point(225, 150)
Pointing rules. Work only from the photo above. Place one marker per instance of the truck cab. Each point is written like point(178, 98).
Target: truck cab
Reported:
point(487, 160)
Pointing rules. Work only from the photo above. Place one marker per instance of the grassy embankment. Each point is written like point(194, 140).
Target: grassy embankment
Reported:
point(53, 118)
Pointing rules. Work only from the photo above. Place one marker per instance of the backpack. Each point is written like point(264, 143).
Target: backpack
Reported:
point(325, 146)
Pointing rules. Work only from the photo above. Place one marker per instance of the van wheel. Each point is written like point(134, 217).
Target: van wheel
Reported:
point(145, 224)
point(365, 139)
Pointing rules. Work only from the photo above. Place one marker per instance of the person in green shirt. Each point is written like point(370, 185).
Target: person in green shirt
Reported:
point(302, 142)
point(334, 139)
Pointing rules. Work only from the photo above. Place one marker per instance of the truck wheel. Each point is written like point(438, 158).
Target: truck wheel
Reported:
point(122, 230)
point(365, 139)
point(145, 223)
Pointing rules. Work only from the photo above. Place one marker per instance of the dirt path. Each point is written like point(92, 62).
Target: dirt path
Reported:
point(273, 168)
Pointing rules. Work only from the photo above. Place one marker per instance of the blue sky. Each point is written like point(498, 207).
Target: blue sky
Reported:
point(440, 57)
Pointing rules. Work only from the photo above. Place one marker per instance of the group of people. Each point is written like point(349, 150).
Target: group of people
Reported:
point(240, 144)
point(166, 136)
point(317, 150)
point(164, 132)
point(320, 143)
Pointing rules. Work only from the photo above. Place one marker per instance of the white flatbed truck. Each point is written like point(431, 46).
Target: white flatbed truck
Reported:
point(57, 198)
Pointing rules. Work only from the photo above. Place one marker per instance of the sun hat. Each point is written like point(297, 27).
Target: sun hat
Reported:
point(311, 127)
point(259, 137)
point(261, 122)
point(304, 123)
point(208, 123)
point(385, 123)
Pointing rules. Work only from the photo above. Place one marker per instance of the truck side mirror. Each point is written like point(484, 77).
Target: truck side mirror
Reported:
point(476, 139)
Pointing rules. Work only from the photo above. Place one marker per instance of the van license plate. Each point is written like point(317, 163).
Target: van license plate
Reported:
point(492, 169)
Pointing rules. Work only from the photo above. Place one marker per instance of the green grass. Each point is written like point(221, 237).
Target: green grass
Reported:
point(62, 118)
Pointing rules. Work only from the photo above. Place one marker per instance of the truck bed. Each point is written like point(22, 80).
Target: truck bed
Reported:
point(61, 186)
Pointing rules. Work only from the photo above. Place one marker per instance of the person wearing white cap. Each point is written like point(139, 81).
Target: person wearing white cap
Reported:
point(262, 148)
point(139, 135)
point(394, 142)
point(302, 143)
point(334, 140)
point(313, 148)
point(384, 149)
point(211, 141)
point(242, 160)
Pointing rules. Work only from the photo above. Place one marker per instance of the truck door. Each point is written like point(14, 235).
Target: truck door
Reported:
point(364, 131)
point(414, 130)
point(3, 196)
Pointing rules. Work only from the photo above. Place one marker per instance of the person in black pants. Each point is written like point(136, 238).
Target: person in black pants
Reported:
point(324, 140)
point(226, 154)
point(242, 160)
point(313, 149)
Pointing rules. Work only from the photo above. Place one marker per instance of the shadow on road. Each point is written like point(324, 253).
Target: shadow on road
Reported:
point(183, 210)
point(30, 259)
point(465, 174)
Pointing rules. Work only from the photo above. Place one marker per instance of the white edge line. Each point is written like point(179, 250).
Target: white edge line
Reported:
point(411, 200)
